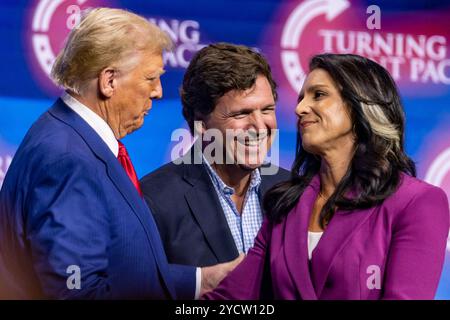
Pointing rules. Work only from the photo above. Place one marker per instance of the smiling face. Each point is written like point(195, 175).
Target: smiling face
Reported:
point(135, 90)
point(324, 119)
point(249, 116)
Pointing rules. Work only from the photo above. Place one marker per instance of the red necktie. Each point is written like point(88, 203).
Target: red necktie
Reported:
point(125, 161)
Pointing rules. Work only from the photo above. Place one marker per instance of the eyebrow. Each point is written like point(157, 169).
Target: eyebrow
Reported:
point(248, 110)
point(316, 87)
point(158, 73)
point(244, 110)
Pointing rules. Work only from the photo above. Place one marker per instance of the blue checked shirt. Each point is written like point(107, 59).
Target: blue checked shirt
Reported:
point(244, 227)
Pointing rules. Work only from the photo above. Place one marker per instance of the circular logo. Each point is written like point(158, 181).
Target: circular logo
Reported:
point(300, 17)
point(50, 23)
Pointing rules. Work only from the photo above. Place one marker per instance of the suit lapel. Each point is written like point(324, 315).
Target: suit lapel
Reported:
point(204, 203)
point(119, 178)
point(266, 184)
point(296, 242)
point(337, 235)
point(268, 181)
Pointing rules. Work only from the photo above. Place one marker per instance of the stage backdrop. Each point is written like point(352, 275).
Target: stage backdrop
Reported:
point(411, 38)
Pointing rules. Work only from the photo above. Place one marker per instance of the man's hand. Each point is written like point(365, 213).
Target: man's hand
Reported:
point(211, 276)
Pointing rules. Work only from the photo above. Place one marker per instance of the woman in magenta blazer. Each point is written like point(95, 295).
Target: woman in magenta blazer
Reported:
point(353, 222)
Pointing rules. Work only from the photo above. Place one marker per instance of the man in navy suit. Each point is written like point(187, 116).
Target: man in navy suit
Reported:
point(207, 204)
point(73, 223)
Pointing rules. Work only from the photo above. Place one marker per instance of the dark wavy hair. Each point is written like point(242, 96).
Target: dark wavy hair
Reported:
point(378, 120)
point(216, 70)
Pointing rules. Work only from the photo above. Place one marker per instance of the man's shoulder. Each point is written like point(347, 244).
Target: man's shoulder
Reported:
point(51, 143)
point(167, 179)
point(167, 186)
point(51, 138)
point(169, 172)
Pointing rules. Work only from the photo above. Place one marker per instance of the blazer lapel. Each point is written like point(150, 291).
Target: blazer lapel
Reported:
point(266, 184)
point(119, 178)
point(336, 236)
point(204, 203)
point(296, 241)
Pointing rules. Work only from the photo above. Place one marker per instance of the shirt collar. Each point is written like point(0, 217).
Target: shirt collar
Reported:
point(255, 179)
point(93, 120)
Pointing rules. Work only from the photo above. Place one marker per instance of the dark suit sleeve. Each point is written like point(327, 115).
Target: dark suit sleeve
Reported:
point(416, 255)
point(67, 225)
point(185, 281)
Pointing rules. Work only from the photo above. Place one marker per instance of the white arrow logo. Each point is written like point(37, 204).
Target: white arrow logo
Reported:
point(296, 23)
point(40, 27)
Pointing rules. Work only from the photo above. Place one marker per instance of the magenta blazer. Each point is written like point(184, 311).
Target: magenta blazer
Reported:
point(395, 250)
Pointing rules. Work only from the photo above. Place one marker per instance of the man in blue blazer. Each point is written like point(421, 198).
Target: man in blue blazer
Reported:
point(73, 223)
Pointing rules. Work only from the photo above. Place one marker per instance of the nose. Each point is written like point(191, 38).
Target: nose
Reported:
point(157, 91)
point(302, 108)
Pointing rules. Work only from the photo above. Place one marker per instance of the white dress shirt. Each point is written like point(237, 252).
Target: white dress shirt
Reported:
point(94, 121)
point(313, 240)
point(107, 135)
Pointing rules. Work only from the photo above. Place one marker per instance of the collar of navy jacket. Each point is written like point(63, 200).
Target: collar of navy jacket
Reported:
point(121, 181)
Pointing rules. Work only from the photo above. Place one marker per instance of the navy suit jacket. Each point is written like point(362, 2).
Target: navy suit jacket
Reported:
point(66, 201)
point(188, 213)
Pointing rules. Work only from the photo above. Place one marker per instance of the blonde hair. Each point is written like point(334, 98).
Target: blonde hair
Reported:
point(383, 128)
point(104, 37)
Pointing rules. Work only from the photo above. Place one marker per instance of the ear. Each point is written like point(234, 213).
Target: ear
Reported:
point(199, 127)
point(107, 82)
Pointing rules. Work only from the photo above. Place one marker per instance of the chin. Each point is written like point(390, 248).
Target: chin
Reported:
point(251, 158)
point(247, 166)
point(138, 124)
point(135, 127)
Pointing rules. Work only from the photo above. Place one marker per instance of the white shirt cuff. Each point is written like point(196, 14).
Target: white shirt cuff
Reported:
point(198, 283)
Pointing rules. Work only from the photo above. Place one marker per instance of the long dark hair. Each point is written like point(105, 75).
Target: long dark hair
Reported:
point(377, 114)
